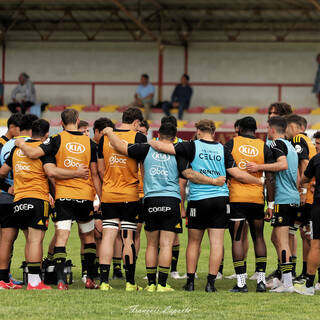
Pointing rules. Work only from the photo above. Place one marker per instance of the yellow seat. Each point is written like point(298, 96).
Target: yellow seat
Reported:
point(109, 108)
point(3, 122)
point(3, 108)
point(181, 123)
point(77, 107)
point(316, 126)
point(218, 124)
point(115, 121)
point(213, 110)
point(249, 110)
point(316, 111)
point(175, 110)
point(149, 121)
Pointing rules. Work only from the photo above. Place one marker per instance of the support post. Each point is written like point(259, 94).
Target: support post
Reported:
point(160, 72)
point(186, 58)
point(3, 73)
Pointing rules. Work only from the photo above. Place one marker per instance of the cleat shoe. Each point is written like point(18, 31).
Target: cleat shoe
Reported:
point(105, 286)
point(261, 287)
point(210, 287)
point(274, 274)
point(167, 288)
point(302, 289)
point(283, 289)
point(14, 286)
point(151, 288)
point(90, 284)
point(232, 276)
point(317, 286)
point(219, 276)
point(117, 275)
point(132, 287)
point(185, 276)
point(40, 286)
point(239, 289)
point(189, 286)
point(175, 275)
point(274, 283)
point(84, 278)
point(9, 286)
point(254, 276)
point(300, 279)
point(145, 278)
point(15, 281)
point(62, 286)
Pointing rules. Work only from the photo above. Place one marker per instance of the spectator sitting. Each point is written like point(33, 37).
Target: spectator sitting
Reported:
point(144, 95)
point(180, 97)
point(23, 95)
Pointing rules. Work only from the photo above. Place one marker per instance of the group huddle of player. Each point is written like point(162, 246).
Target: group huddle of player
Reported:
point(113, 185)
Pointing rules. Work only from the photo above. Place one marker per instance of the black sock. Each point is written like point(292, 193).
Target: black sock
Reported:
point(221, 267)
point(304, 267)
point(175, 257)
point(130, 269)
point(116, 263)
point(60, 256)
point(151, 274)
point(310, 280)
point(83, 264)
point(293, 260)
point(104, 273)
point(245, 264)
point(10, 259)
point(261, 264)
point(50, 256)
point(4, 275)
point(96, 267)
point(34, 268)
point(90, 258)
point(211, 278)
point(190, 277)
point(163, 275)
point(239, 267)
point(318, 274)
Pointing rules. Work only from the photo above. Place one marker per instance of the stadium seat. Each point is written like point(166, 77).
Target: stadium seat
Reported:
point(218, 124)
point(155, 125)
point(316, 111)
point(230, 110)
point(92, 108)
point(91, 122)
point(55, 123)
point(111, 108)
point(120, 109)
point(316, 126)
point(3, 108)
point(196, 109)
point(181, 123)
point(156, 110)
point(57, 108)
point(248, 110)
point(3, 122)
point(213, 110)
point(263, 125)
point(263, 111)
point(190, 125)
point(227, 125)
point(303, 111)
point(77, 107)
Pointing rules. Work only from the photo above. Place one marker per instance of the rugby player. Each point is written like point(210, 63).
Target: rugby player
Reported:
point(8, 230)
point(207, 204)
point(316, 138)
point(120, 199)
point(313, 260)
point(74, 197)
point(84, 127)
point(286, 196)
point(247, 203)
point(306, 150)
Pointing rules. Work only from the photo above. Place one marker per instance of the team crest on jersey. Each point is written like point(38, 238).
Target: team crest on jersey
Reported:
point(75, 147)
point(249, 151)
point(298, 148)
point(280, 219)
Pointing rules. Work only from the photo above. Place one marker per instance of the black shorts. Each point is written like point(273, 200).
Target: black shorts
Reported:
point(315, 222)
point(284, 215)
point(71, 209)
point(125, 211)
point(211, 213)
point(30, 212)
point(141, 218)
point(304, 214)
point(6, 216)
point(162, 213)
point(248, 211)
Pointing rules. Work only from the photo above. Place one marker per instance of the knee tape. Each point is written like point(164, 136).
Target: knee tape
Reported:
point(126, 225)
point(64, 225)
point(236, 237)
point(86, 227)
point(110, 223)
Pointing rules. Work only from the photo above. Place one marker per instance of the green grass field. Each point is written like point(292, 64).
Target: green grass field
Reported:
point(78, 303)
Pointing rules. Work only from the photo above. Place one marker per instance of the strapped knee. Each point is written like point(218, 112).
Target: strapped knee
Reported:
point(110, 223)
point(87, 226)
point(64, 225)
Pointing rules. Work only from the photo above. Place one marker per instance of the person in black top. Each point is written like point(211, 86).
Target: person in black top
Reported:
point(313, 261)
point(180, 98)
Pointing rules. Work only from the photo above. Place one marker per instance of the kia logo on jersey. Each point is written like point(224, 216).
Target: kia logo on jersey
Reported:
point(21, 154)
point(160, 156)
point(75, 147)
point(249, 151)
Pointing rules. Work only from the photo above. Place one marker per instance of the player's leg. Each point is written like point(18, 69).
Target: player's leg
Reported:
point(245, 244)
point(152, 258)
point(175, 258)
point(137, 238)
point(84, 270)
point(293, 248)
point(117, 257)
point(97, 238)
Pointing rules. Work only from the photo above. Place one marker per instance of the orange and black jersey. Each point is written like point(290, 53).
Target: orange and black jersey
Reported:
point(29, 178)
point(3, 186)
point(3, 140)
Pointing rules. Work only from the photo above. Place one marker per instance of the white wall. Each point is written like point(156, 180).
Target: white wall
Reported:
point(276, 63)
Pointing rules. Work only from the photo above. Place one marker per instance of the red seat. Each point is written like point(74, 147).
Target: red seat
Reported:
point(196, 109)
point(92, 108)
point(263, 111)
point(156, 110)
point(155, 124)
point(227, 125)
point(91, 122)
point(122, 109)
point(55, 123)
point(303, 111)
point(231, 110)
point(190, 124)
point(57, 108)
point(263, 125)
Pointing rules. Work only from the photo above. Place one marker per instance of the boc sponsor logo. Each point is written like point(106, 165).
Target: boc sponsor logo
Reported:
point(21, 167)
point(242, 164)
point(75, 147)
point(158, 170)
point(21, 154)
point(71, 163)
point(249, 151)
point(161, 157)
point(117, 159)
